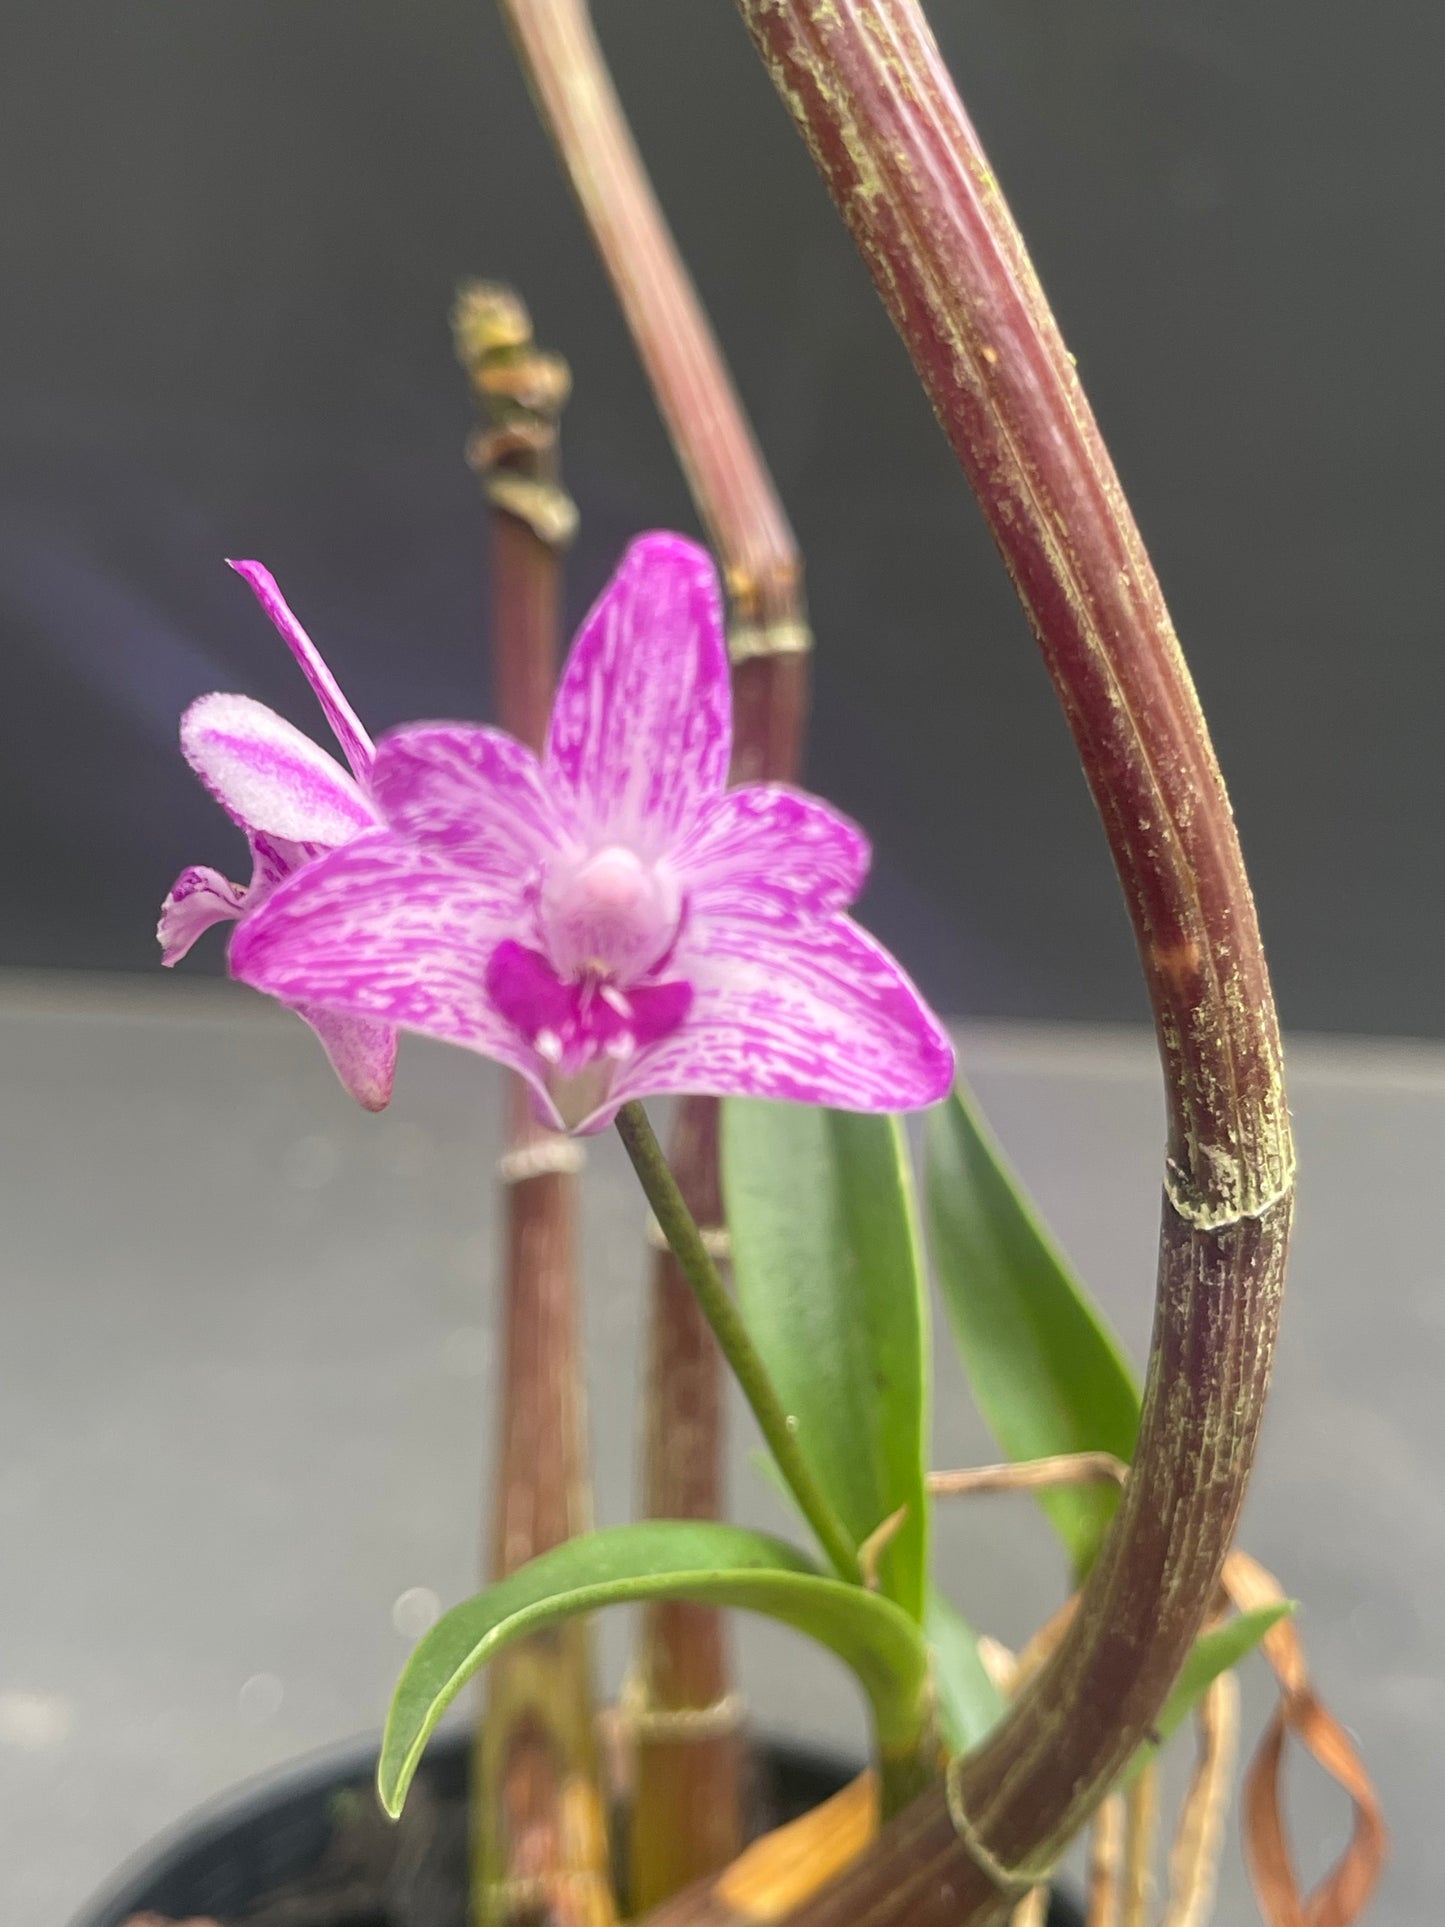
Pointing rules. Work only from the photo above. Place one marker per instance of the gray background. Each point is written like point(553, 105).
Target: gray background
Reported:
point(229, 231)
point(246, 1404)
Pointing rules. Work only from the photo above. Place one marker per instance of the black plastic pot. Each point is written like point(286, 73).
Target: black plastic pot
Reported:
point(307, 1847)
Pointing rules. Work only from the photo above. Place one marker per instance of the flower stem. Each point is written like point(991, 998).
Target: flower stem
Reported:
point(686, 1242)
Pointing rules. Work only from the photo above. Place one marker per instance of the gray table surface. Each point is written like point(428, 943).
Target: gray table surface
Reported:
point(246, 1418)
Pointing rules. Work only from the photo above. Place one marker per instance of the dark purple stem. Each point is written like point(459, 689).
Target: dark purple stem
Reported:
point(878, 110)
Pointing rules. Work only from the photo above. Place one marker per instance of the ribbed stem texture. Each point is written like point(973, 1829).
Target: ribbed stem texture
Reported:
point(868, 88)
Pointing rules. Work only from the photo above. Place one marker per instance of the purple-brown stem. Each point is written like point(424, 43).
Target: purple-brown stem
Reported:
point(730, 484)
point(686, 1797)
point(686, 1721)
point(688, 1813)
point(879, 112)
point(539, 1824)
point(687, 1810)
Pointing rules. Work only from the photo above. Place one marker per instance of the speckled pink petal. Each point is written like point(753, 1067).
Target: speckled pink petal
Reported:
point(362, 1053)
point(382, 929)
point(199, 898)
point(355, 744)
point(273, 859)
point(820, 1014)
point(267, 776)
point(642, 725)
point(772, 850)
point(472, 794)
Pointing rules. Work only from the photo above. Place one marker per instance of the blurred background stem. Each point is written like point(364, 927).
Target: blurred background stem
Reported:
point(683, 1711)
point(684, 1715)
point(730, 486)
point(539, 1833)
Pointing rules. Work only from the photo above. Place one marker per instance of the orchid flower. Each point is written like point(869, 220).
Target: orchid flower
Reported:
point(294, 803)
point(610, 921)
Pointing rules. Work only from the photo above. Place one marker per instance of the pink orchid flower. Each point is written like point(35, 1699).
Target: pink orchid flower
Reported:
point(612, 922)
point(294, 803)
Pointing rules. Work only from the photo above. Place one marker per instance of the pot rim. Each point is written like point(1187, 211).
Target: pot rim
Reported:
point(322, 1771)
point(329, 1765)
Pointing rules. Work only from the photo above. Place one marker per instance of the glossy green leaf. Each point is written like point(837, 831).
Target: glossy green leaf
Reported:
point(829, 1268)
point(968, 1701)
point(1213, 1653)
point(1044, 1367)
point(720, 1565)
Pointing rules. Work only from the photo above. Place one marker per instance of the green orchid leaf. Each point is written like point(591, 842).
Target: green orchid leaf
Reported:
point(1046, 1371)
point(968, 1701)
point(1215, 1652)
point(719, 1565)
point(830, 1276)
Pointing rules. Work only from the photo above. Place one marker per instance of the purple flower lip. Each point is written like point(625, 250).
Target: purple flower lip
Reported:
point(611, 920)
point(294, 802)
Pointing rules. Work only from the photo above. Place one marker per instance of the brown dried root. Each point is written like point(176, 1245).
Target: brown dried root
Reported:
point(1344, 1892)
point(1141, 1823)
point(1120, 1877)
point(876, 1544)
point(1106, 1845)
point(1032, 1910)
point(1199, 1834)
point(1030, 1475)
point(1341, 1897)
point(1001, 1665)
